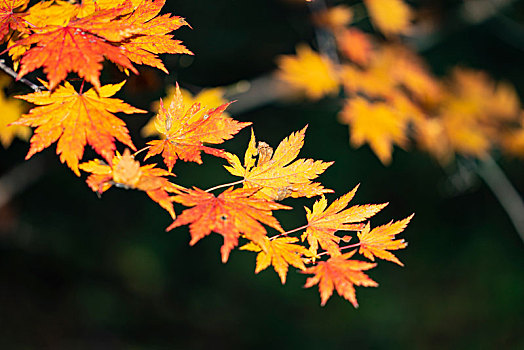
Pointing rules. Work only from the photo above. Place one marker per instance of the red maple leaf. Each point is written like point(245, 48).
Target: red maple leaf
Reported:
point(10, 19)
point(79, 45)
point(186, 131)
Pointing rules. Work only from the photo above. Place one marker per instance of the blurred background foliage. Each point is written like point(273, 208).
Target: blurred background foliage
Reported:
point(79, 272)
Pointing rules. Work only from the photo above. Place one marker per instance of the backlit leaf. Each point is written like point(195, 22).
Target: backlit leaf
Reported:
point(125, 172)
point(186, 130)
point(378, 242)
point(324, 221)
point(79, 45)
point(341, 274)
point(232, 213)
point(279, 174)
point(279, 252)
point(75, 119)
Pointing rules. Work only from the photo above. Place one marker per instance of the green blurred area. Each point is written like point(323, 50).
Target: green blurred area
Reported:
point(79, 272)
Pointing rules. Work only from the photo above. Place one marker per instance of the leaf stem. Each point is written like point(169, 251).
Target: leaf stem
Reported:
point(290, 231)
point(342, 248)
point(141, 150)
point(225, 185)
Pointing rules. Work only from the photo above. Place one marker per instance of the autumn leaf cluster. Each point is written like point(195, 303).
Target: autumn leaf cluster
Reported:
point(70, 38)
point(391, 98)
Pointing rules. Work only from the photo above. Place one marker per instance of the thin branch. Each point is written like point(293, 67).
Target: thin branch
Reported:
point(504, 191)
point(325, 41)
point(12, 73)
point(225, 185)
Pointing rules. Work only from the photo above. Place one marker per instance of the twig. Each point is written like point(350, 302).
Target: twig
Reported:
point(325, 41)
point(504, 191)
point(12, 73)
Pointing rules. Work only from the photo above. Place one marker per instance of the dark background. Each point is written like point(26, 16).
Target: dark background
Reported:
point(79, 272)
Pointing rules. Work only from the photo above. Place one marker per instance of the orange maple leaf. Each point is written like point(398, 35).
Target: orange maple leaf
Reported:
point(79, 45)
point(324, 221)
point(377, 242)
point(341, 274)
point(232, 213)
point(76, 118)
point(124, 171)
point(186, 131)
point(152, 38)
point(390, 16)
point(278, 174)
point(279, 252)
point(10, 20)
point(355, 44)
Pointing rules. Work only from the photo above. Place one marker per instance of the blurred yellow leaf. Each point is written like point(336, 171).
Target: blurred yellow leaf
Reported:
point(334, 18)
point(309, 72)
point(391, 17)
point(11, 111)
point(378, 124)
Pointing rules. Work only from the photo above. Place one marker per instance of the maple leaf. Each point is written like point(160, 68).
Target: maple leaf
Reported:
point(206, 97)
point(277, 174)
point(152, 38)
point(279, 252)
point(124, 171)
point(334, 18)
point(10, 20)
point(378, 124)
point(310, 72)
point(186, 131)
point(377, 242)
point(78, 45)
point(11, 111)
point(324, 221)
point(341, 274)
point(232, 213)
point(391, 17)
point(355, 44)
point(76, 118)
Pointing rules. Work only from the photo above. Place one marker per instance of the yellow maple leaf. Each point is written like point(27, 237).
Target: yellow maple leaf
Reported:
point(11, 111)
point(378, 124)
point(378, 242)
point(279, 252)
point(278, 174)
point(334, 18)
point(309, 72)
point(324, 221)
point(391, 17)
